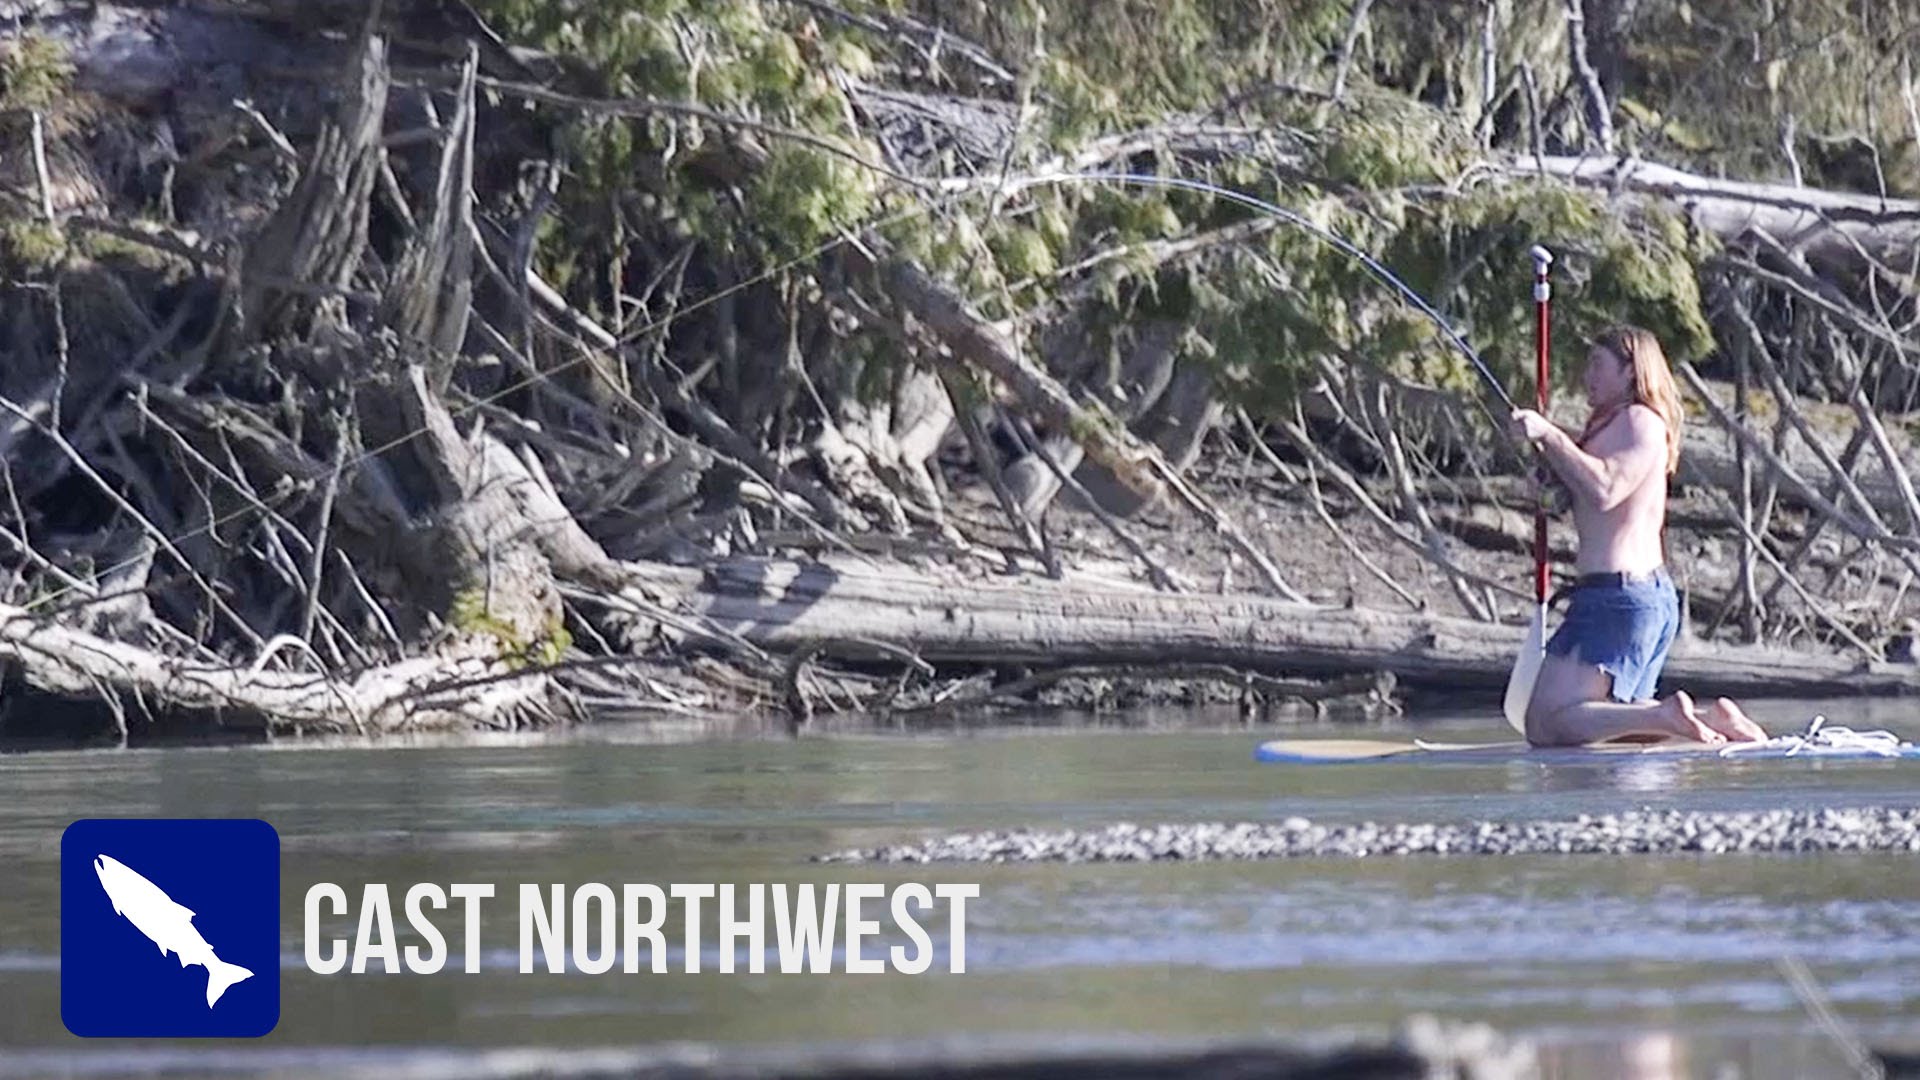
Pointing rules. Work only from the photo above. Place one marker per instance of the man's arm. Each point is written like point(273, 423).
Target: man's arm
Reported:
point(1625, 453)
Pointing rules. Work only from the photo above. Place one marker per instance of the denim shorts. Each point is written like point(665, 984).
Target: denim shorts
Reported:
point(1623, 629)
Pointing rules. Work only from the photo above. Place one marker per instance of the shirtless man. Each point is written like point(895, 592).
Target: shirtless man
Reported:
point(1604, 661)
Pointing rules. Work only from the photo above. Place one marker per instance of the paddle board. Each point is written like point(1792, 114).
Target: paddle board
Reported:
point(1360, 751)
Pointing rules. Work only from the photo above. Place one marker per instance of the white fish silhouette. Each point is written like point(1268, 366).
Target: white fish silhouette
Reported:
point(165, 923)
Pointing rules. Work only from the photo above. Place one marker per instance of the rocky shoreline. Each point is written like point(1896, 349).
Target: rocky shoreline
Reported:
point(1634, 832)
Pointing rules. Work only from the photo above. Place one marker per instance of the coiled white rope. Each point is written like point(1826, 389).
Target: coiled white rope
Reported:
point(1823, 738)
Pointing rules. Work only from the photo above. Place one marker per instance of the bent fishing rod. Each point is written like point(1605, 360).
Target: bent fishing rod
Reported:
point(1338, 242)
point(1332, 238)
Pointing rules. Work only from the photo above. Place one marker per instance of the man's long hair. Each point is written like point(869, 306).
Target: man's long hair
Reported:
point(1653, 384)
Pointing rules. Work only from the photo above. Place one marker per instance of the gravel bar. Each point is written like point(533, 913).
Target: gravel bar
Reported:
point(1637, 832)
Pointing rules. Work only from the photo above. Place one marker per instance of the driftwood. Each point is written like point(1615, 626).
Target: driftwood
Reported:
point(988, 464)
point(782, 606)
point(1429, 548)
point(993, 351)
point(366, 431)
point(1370, 695)
point(1838, 230)
point(417, 693)
point(1136, 464)
point(1874, 530)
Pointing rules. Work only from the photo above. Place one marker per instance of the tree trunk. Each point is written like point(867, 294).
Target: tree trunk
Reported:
point(300, 265)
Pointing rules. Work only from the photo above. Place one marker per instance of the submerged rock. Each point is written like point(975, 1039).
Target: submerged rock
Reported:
point(1636, 832)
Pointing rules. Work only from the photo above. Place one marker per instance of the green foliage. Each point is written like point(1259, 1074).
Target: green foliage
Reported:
point(1023, 253)
point(1388, 169)
point(1099, 65)
point(1470, 258)
point(1714, 81)
point(35, 73)
point(805, 196)
point(742, 196)
point(1385, 142)
point(1109, 63)
point(551, 646)
point(32, 247)
point(469, 614)
point(122, 252)
point(35, 76)
point(1264, 315)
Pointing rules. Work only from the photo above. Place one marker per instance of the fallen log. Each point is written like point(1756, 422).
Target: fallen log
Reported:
point(944, 619)
point(411, 694)
point(1841, 230)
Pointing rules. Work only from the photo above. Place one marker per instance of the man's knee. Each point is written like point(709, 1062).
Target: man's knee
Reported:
point(1543, 709)
point(1542, 726)
point(1565, 682)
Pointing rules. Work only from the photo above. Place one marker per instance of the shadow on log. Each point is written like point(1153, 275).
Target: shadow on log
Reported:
point(782, 606)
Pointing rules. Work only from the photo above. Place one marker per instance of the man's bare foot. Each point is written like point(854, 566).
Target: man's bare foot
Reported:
point(1729, 719)
point(1684, 720)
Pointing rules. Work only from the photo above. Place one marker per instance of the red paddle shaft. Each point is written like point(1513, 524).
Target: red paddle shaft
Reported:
point(1542, 300)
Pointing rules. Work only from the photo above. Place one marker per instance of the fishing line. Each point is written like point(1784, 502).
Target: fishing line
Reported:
point(1059, 178)
point(459, 410)
point(1321, 232)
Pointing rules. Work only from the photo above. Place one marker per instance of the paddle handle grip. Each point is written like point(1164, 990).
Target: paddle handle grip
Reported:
point(1542, 338)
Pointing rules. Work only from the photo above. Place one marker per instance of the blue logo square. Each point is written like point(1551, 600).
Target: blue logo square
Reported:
point(170, 928)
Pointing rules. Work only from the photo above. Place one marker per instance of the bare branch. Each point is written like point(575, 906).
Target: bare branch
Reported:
point(1599, 113)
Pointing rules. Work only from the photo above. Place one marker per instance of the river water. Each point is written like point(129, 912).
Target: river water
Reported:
point(1617, 966)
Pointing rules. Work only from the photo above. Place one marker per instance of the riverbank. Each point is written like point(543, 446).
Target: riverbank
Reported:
point(910, 639)
point(496, 384)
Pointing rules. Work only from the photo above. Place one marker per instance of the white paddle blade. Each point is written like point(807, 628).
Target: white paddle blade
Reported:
point(1526, 670)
